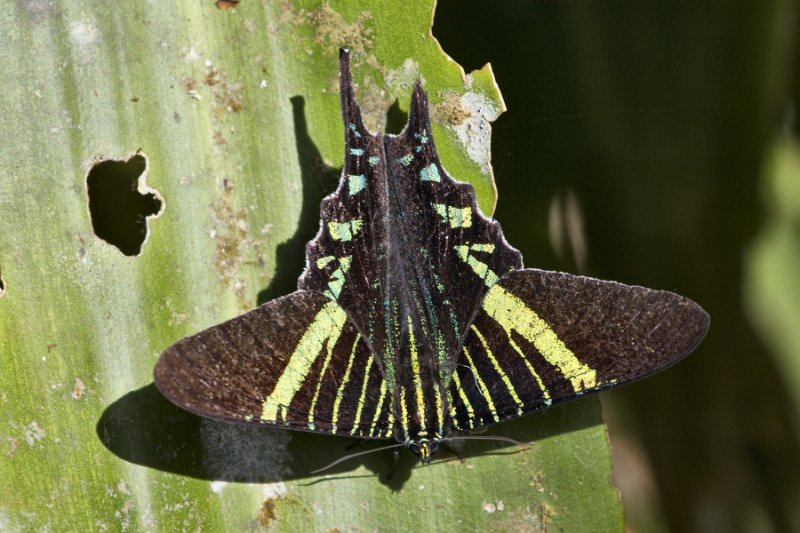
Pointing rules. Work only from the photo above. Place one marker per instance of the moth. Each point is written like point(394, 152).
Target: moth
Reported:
point(414, 318)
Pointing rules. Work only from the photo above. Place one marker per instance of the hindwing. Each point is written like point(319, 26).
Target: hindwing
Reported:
point(296, 361)
point(542, 338)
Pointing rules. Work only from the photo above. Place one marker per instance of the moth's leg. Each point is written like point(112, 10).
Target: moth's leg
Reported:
point(455, 447)
point(395, 462)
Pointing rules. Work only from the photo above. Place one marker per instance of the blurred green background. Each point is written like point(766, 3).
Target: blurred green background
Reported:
point(655, 143)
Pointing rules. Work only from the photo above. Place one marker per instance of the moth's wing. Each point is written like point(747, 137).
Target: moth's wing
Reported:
point(542, 338)
point(296, 362)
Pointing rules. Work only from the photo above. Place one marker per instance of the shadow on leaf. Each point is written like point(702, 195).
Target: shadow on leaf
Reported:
point(317, 179)
point(144, 428)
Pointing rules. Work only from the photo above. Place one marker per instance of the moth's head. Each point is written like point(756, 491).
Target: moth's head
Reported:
point(424, 449)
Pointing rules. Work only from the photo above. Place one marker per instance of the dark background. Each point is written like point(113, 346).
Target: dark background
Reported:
point(638, 133)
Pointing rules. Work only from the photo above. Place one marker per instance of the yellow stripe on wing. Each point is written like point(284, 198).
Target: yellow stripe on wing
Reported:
point(345, 380)
point(362, 398)
point(377, 414)
point(513, 315)
point(323, 332)
point(464, 400)
point(503, 376)
point(482, 385)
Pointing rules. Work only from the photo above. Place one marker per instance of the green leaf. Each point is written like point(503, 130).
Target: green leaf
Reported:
point(237, 115)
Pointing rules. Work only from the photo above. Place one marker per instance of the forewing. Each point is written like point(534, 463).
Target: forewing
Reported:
point(296, 362)
point(403, 245)
point(543, 338)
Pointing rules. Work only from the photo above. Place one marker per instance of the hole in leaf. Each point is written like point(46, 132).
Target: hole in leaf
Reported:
point(2, 285)
point(118, 209)
point(396, 118)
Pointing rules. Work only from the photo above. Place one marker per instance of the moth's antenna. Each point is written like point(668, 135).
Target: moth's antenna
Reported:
point(352, 455)
point(474, 377)
point(485, 437)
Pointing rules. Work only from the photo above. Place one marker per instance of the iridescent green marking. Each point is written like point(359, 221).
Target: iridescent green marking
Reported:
point(496, 364)
point(513, 315)
point(479, 267)
point(356, 151)
point(392, 330)
point(345, 380)
point(406, 160)
point(389, 424)
point(323, 332)
point(451, 404)
point(439, 418)
point(423, 138)
point(344, 231)
point(440, 287)
point(356, 183)
point(430, 173)
point(322, 262)
point(373, 160)
point(354, 130)
point(484, 247)
point(481, 385)
point(457, 217)
point(336, 281)
point(433, 322)
point(363, 397)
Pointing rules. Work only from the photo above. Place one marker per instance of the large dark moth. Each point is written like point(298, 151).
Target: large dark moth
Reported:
point(414, 317)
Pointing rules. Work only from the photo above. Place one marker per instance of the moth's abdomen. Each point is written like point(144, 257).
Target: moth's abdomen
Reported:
point(420, 403)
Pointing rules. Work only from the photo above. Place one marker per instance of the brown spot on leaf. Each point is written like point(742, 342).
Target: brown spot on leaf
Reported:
point(333, 31)
point(232, 242)
point(226, 4)
point(212, 75)
point(451, 110)
point(77, 390)
point(13, 446)
point(227, 95)
point(266, 515)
